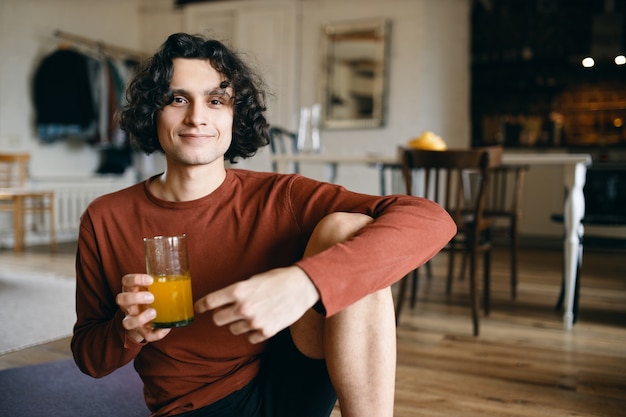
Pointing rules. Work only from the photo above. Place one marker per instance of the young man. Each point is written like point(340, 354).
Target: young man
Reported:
point(290, 276)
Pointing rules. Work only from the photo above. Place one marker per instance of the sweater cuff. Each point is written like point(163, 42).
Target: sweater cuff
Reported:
point(129, 342)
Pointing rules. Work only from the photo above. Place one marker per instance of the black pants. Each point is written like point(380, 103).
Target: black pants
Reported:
point(288, 385)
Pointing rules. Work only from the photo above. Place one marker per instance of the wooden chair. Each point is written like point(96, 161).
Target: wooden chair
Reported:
point(457, 180)
point(20, 199)
point(503, 207)
point(283, 142)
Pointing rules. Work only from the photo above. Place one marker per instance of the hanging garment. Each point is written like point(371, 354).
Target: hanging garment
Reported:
point(62, 95)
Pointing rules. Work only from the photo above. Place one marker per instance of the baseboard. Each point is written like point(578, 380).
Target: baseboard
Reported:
point(7, 241)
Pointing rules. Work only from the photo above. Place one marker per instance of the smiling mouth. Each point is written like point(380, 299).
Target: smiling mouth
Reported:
point(196, 135)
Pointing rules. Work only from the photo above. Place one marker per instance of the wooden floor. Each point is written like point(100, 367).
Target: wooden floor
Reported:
point(522, 364)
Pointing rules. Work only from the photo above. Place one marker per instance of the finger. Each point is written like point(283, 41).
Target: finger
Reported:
point(134, 322)
point(240, 327)
point(214, 300)
point(256, 337)
point(130, 302)
point(227, 315)
point(259, 336)
point(132, 281)
point(257, 333)
point(148, 334)
point(152, 335)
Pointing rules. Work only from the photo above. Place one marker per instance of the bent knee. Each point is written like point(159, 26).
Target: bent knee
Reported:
point(339, 227)
point(375, 302)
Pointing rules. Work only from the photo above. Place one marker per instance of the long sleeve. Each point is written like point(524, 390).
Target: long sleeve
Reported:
point(100, 319)
point(406, 233)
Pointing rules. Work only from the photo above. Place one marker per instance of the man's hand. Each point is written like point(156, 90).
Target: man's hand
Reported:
point(262, 305)
point(133, 301)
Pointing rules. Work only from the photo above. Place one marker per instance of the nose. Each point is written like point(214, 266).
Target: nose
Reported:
point(197, 114)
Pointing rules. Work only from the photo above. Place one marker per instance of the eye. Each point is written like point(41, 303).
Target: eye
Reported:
point(218, 100)
point(179, 100)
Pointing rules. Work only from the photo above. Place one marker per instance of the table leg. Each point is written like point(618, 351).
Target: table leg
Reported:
point(381, 178)
point(18, 224)
point(331, 168)
point(574, 210)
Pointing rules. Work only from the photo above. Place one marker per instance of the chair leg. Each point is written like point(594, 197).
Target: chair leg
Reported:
point(561, 299)
point(463, 266)
point(400, 298)
point(402, 292)
point(514, 246)
point(487, 282)
point(450, 272)
point(51, 212)
point(414, 286)
point(577, 286)
point(473, 294)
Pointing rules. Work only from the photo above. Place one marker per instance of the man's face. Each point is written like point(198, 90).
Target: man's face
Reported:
point(196, 128)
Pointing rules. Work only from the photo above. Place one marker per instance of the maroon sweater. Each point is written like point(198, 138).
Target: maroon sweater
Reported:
point(252, 223)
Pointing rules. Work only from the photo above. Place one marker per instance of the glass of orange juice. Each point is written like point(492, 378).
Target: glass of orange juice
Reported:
point(168, 264)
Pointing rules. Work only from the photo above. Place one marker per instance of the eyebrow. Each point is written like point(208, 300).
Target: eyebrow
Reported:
point(217, 91)
point(220, 92)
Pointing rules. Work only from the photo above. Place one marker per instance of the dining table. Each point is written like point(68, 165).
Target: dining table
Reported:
point(574, 173)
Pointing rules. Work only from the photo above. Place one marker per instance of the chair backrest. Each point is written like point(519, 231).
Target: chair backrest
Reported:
point(13, 169)
point(283, 142)
point(456, 179)
point(505, 190)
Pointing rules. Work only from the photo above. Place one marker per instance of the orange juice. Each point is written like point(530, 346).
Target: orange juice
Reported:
point(172, 300)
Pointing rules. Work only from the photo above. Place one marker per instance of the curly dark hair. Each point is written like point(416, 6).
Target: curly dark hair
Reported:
point(149, 92)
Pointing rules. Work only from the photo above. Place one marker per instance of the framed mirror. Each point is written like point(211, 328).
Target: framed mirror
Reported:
point(353, 76)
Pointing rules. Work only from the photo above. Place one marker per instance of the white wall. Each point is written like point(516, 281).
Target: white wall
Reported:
point(428, 76)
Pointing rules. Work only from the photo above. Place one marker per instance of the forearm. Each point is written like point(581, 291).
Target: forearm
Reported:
point(99, 348)
point(99, 343)
point(404, 235)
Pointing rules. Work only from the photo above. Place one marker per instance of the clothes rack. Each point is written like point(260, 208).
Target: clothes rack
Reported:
point(91, 77)
point(101, 46)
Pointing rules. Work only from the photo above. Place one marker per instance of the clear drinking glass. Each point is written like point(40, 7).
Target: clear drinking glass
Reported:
point(168, 264)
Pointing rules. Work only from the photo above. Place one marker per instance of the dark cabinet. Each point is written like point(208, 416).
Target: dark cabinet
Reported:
point(529, 88)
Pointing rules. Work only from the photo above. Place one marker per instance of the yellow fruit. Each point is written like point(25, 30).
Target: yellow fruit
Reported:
point(428, 141)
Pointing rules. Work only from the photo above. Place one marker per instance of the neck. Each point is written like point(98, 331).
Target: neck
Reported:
point(190, 184)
